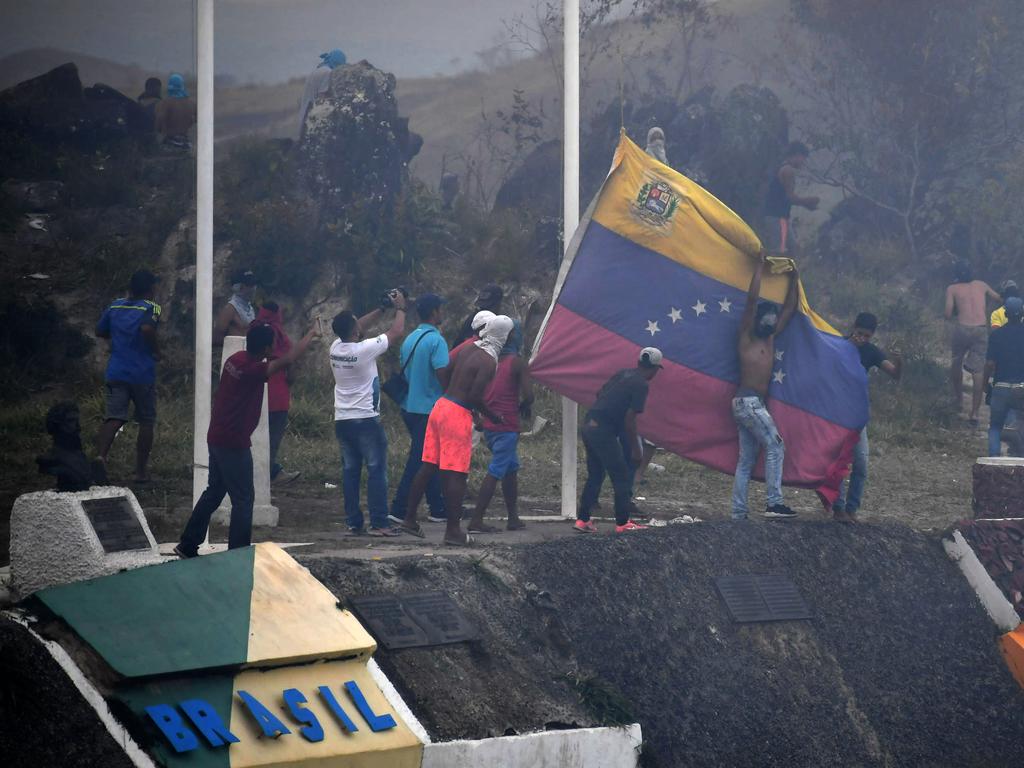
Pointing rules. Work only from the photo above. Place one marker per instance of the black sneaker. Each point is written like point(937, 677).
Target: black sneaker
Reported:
point(183, 554)
point(780, 511)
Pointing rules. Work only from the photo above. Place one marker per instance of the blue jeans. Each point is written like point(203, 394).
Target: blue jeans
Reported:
point(849, 500)
point(363, 440)
point(231, 475)
point(416, 424)
point(1004, 401)
point(757, 430)
point(604, 456)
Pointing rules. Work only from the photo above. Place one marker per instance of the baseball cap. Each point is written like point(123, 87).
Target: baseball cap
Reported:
point(142, 281)
point(243, 277)
point(1014, 306)
point(427, 303)
point(489, 294)
point(650, 357)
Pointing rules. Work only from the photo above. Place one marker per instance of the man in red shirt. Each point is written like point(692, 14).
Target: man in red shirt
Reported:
point(235, 415)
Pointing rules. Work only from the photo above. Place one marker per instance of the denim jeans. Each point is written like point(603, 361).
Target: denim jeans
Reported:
point(757, 430)
point(363, 441)
point(416, 424)
point(1004, 401)
point(852, 491)
point(231, 475)
point(605, 455)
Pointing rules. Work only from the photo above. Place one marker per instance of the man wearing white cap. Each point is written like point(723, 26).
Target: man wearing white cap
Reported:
point(610, 419)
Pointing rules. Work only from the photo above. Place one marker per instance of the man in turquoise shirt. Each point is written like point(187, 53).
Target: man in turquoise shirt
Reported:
point(426, 353)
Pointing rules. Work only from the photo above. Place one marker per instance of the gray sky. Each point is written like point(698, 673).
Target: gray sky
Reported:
point(265, 40)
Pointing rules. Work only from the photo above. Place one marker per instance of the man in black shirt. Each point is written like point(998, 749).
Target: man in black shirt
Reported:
point(489, 298)
point(781, 197)
point(846, 506)
point(613, 417)
point(1004, 371)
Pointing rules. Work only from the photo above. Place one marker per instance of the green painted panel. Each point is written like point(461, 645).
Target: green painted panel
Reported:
point(216, 689)
point(176, 617)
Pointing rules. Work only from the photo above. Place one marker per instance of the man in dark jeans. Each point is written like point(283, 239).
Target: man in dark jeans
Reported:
point(235, 416)
point(357, 413)
point(424, 356)
point(610, 424)
point(1004, 372)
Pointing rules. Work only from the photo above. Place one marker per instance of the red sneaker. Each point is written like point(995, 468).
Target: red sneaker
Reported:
point(630, 526)
point(585, 527)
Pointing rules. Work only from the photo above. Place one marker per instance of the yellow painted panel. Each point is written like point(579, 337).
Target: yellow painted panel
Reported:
point(394, 748)
point(294, 618)
point(703, 233)
point(1013, 649)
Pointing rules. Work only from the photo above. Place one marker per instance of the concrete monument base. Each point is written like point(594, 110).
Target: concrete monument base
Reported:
point(62, 537)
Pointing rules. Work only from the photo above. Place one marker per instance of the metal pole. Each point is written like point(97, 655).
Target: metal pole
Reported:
point(204, 244)
point(570, 218)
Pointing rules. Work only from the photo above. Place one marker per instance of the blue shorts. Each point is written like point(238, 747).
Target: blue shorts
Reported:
point(504, 447)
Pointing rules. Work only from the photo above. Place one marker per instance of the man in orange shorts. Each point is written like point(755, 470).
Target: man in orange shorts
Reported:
point(448, 445)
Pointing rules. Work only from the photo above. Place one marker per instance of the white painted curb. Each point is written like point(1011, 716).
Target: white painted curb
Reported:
point(577, 748)
point(992, 598)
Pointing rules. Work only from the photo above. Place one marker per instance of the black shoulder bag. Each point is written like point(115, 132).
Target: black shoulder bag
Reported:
point(397, 386)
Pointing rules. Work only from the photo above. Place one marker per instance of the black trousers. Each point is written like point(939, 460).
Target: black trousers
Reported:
point(230, 475)
point(605, 456)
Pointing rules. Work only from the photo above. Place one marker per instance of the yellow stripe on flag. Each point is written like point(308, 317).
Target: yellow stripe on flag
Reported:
point(696, 229)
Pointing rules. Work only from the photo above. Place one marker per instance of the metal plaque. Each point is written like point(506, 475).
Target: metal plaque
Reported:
point(115, 523)
point(414, 620)
point(762, 598)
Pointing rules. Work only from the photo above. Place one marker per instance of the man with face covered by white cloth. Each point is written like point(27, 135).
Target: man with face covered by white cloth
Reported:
point(448, 445)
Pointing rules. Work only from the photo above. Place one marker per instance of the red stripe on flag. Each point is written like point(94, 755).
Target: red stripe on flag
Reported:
point(689, 413)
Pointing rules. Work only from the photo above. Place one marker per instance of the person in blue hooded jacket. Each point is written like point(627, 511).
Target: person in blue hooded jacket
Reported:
point(318, 81)
point(175, 115)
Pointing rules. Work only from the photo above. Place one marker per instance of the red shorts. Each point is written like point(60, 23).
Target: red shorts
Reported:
point(449, 439)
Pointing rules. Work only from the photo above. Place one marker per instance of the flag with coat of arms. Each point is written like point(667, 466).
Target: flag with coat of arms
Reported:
point(659, 261)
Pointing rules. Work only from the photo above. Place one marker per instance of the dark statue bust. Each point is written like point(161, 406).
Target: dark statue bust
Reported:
point(66, 461)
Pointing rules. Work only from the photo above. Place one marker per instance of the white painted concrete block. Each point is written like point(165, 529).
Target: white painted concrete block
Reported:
point(263, 511)
point(53, 540)
point(577, 748)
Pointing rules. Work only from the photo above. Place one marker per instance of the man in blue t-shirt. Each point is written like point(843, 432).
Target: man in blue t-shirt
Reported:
point(130, 324)
point(424, 355)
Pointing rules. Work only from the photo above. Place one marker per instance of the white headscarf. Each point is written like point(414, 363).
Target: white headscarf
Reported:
point(656, 144)
point(494, 334)
point(481, 318)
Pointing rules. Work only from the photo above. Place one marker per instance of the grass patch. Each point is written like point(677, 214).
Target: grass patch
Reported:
point(605, 702)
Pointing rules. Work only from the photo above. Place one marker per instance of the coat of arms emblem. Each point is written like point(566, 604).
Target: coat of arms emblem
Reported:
point(655, 203)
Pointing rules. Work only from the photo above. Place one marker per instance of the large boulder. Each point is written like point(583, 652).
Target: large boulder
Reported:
point(355, 148)
point(54, 108)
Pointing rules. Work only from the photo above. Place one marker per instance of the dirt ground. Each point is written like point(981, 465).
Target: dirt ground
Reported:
point(898, 666)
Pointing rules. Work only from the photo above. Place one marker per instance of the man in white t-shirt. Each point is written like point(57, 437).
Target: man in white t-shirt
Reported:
point(357, 413)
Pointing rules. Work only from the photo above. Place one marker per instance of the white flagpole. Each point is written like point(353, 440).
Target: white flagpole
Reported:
point(570, 218)
point(204, 245)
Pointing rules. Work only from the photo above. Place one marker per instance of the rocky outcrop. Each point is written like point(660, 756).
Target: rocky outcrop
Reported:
point(355, 147)
point(55, 108)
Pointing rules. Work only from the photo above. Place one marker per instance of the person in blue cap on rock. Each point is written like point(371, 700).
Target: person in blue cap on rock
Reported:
point(317, 82)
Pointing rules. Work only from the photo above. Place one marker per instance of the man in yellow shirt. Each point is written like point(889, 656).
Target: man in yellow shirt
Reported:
point(1007, 289)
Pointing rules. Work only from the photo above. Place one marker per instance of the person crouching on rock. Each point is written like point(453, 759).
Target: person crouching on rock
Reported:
point(610, 424)
point(448, 445)
point(235, 415)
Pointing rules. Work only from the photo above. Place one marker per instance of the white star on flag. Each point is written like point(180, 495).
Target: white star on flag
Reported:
point(700, 307)
point(652, 327)
point(676, 315)
point(725, 305)
point(778, 376)
point(779, 354)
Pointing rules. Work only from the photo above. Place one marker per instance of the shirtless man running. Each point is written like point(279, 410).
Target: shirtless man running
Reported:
point(448, 445)
point(761, 323)
point(965, 299)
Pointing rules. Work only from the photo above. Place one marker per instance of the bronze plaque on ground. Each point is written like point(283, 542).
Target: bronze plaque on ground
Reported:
point(115, 523)
point(414, 620)
point(762, 598)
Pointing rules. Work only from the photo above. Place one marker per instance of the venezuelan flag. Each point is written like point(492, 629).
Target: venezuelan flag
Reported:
point(659, 261)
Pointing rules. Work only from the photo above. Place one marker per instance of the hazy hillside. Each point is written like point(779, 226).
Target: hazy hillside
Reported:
point(23, 65)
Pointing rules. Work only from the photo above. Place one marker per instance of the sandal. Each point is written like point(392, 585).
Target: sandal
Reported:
point(388, 532)
point(467, 542)
point(483, 528)
point(417, 531)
